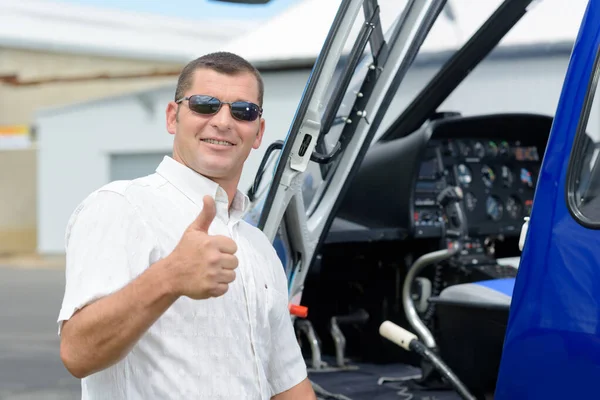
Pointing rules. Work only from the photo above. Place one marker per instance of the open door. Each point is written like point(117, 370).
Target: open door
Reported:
point(352, 83)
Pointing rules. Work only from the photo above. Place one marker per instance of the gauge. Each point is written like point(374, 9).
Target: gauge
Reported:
point(448, 149)
point(492, 148)
point(526, 178)
point(507, 176)
point(464, 175)
point(479, 150)
point(494, 208)
point(504, 148)
point(464, 148)
point(488, 176)
point(470, 201)
point(513, 207)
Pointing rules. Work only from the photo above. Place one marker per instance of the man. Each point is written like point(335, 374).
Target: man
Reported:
point(169, 293)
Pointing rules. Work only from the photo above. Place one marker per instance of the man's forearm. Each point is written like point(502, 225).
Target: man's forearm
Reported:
point(102, 333)
point(302, 391)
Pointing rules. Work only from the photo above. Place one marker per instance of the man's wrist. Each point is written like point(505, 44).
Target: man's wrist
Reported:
point(166, 278)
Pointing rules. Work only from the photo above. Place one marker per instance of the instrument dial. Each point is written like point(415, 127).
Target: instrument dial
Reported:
point(494, 208)
point(488, 176)
point(514, 207)
point(492, 148)
point(504, 148)
point(464, 176)
point(507, 176)
point(470, 201)
point(464, 149)
point(479, 150)
point(526, 178)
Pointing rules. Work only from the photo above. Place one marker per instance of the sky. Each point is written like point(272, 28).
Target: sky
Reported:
point(192, 9)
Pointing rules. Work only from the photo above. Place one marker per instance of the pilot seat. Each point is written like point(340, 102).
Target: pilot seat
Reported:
point(472, 320)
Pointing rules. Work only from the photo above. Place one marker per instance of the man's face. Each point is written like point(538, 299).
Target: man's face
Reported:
point(195, 134)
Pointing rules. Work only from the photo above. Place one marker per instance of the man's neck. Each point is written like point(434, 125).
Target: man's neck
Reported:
point(229, 185)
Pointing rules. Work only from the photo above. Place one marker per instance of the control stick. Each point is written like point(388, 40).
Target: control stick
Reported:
point(450, 199)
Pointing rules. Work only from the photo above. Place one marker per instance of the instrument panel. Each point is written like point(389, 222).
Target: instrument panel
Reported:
point(494, 158)
point(497, 176)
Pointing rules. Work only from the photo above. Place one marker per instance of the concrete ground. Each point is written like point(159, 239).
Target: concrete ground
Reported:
point(30, 297)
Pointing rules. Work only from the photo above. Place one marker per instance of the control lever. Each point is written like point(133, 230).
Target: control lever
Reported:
point(450, 199)
point(306, 327)
point(358, 317)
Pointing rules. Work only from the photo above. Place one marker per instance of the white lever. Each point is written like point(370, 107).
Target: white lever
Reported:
point(523, 234)
point(396, 334)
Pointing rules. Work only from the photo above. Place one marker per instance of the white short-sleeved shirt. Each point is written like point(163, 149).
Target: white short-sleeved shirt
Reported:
point(238, 346)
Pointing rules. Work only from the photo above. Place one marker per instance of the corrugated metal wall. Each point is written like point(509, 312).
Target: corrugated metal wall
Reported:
point(18, 103)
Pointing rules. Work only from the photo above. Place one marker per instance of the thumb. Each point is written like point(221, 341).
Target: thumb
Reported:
point(206, 216)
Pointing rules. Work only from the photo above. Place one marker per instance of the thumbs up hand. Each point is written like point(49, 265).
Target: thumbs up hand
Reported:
point(204, 265)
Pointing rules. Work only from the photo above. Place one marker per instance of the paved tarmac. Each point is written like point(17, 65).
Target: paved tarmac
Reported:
point(30, 365)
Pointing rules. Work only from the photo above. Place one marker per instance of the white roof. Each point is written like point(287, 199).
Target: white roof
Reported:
point(49, 26)
point(298, 34)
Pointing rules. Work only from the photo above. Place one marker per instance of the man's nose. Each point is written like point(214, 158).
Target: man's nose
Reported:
point(222, 119)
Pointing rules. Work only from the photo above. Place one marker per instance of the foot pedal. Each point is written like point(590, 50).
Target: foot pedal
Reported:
point(357, 317)
point(305, 327)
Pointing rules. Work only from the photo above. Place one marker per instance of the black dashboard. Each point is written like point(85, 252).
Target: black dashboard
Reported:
point(494, 159)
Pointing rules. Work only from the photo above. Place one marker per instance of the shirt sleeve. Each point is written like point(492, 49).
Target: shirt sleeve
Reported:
point(107, 245)
point(287, 367)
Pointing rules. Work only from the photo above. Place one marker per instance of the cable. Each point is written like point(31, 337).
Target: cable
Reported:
point(409, 341)
point(423, 351)
point(437, 287)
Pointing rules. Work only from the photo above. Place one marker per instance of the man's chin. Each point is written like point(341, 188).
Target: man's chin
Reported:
point(214, 170)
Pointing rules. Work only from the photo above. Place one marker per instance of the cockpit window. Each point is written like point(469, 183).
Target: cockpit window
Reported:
point(583, 179)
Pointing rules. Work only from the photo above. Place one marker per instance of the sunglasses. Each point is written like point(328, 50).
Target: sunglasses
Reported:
point(208, 105)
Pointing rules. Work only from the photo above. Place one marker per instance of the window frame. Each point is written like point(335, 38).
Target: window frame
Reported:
point(576, 158)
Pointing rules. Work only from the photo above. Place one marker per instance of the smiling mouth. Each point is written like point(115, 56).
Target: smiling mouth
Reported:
point(219, 142)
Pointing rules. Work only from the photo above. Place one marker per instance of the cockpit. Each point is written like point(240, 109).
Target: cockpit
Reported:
point(396, 224)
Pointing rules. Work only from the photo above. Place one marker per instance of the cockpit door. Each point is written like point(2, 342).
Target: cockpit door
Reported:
point(352, 83)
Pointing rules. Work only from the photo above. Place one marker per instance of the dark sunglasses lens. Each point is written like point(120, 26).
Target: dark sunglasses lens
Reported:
point(204, 104)
point(244, 111)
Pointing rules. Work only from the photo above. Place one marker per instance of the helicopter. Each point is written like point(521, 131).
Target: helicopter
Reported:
point(391, 236)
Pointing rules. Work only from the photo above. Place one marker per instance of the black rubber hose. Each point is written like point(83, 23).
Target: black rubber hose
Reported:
point(423, 351)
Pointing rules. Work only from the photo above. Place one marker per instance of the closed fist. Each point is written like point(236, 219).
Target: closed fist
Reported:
point(204, 264)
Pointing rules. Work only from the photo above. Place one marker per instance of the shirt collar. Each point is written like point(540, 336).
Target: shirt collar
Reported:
point(195, 186)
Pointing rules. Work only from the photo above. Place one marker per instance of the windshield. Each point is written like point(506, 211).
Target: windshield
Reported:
point(457, 23)
point(523, 74)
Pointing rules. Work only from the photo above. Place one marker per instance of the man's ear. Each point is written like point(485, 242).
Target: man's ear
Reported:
point(172, 114)
point(259, 134)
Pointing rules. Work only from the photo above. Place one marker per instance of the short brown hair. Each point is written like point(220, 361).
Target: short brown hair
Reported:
point(222, 62)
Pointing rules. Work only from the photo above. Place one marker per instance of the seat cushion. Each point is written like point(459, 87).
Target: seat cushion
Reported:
point(493, 292)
